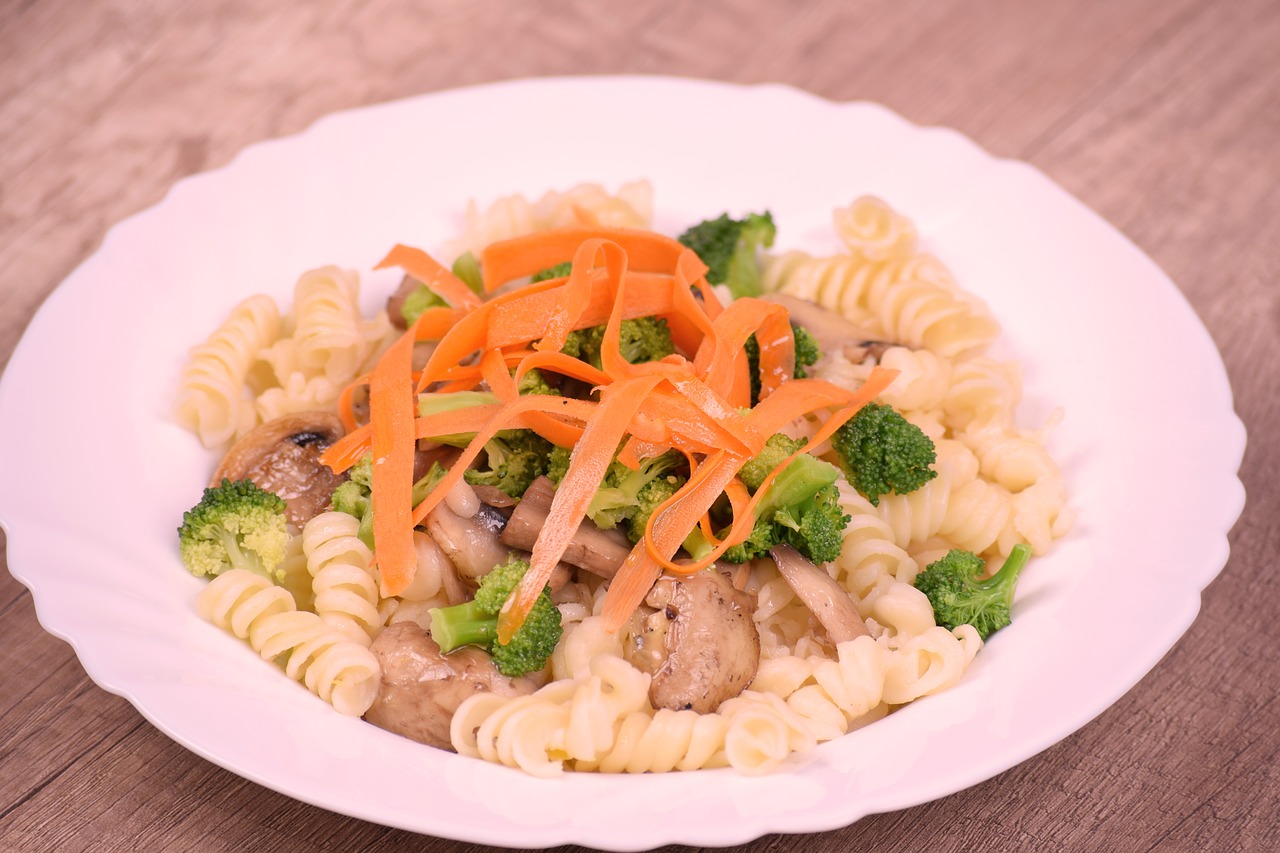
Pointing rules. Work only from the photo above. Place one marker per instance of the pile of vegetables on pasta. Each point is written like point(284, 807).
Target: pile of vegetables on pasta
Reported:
point(606, 361)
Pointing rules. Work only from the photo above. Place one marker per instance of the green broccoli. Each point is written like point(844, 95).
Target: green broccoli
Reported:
point(625, 496)
point(467, 268)
point(960, 596)
point(728, 248)
point(235, 526)
point(475, 623)
point(533, 382)
point(807, 353)
point(558, 463)
point(882, 452)
point(639, 340)
point(421, 299)
point(516, 458)
point(800, 508)
point(352, 496)
point(558, 271)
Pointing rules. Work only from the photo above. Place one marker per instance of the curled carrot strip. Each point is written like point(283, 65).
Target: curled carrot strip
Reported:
point(430, 272)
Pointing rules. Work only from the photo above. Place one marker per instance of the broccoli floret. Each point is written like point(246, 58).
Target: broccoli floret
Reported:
point(619, 496)
point(800, 508)
point(558, 464)
point(467, 268)
point(651, 496)
point(627, 497)
point(235, 526)
point(807, 353)
point(728, 248)
point(419, 301)
point(639, 340)
point(960, 596)
point(533, 382)
point(775, 451)
point(882, 452)
point(515, 459)
point(353, 495)
point(475, 623)
point(558, 271)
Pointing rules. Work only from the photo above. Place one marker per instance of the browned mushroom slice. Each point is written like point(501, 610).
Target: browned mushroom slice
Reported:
point(864, 350)
point(698, 641)
point(600, 552)
point(421, 688)
point(832, 331)
point(829, 601)
point(283, 456)
point(472, 544)
point(395, 302)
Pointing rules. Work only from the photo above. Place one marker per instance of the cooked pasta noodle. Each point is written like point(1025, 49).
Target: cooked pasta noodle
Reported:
point(346, 593)
point(339, 671)
point(213, 398)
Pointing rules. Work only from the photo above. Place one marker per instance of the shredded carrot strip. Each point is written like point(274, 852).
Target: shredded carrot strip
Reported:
point(638, 572)
point(692, 401)
point(391, 416)
point(430, 272)
point(591, 457)
point(521, 256)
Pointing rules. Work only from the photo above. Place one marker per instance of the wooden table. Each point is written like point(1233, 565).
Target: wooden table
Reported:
point(1163, 115)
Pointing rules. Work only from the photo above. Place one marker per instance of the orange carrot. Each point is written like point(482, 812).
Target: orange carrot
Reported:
point(521, 256)
point(391, 411)
point(591, 457)
point(428, 270)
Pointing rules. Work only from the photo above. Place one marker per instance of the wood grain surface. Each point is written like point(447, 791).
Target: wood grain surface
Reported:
point(1163, 115)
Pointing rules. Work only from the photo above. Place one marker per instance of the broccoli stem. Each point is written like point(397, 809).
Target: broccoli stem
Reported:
point(462, 625)
point(239, 558)
point(798, 482)
point(999, 587)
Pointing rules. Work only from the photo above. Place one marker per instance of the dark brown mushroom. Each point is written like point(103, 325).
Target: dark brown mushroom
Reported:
point(697, 638)
point(600, 552)
point(283, 456)
point(828, 601)
point(421, 688)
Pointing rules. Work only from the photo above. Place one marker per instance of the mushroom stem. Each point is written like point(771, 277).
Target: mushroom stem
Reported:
point(829, 601)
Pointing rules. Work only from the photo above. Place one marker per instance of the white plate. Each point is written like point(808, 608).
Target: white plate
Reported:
point(1150, 444)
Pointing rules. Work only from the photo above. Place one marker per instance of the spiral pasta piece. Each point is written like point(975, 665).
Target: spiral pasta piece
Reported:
point(894, 292)
point(213, 398)
point(346, 592)
point(339, 671)
point(582, 204)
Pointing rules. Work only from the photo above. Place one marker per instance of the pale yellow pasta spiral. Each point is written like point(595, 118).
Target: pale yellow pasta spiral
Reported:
point(346, 593)
point(872, 229)
point(339, 671)
point(213, 400)
point(583, 204)
point(929, 663)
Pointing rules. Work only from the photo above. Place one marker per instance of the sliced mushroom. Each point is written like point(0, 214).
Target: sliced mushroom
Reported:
point(864, 350)
point(283, 456)
point(600, 552)
point(829, 601)
point(472, 544)
point(395, 302)
point(421, 687)
point(831, 330)
point(698, 641)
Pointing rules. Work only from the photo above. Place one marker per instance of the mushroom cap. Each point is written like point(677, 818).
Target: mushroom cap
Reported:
point(699, 642)
point(283, 456)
